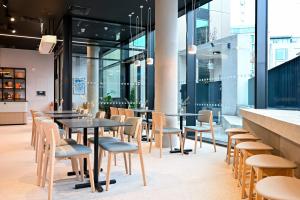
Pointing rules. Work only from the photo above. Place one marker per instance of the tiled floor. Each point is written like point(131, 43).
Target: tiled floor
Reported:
point(201, 176)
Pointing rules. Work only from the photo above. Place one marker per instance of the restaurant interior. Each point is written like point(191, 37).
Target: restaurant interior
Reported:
point(149, 99)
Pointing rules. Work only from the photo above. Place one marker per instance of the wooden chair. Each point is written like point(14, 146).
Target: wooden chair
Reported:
point(125, 147)
point(230, 132)
point(129, 113)
point(238, 138)
point(158, 121)
point(121, 111)
point(113, 111)
point(205, 119)
point(54, 152)
point(264, 165)
point(247, 149)
point(279, 187)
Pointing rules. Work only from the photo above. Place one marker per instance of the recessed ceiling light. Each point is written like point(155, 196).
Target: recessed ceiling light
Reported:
point(82, 30)
point(12, 19)
point(13, 31)
point(5, 6)
point(106, 28)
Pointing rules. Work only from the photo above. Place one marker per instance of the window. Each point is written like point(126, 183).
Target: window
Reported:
point(281, 54)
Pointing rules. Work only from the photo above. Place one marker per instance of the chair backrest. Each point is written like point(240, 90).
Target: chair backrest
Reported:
point(121, 111)
point(113, 111)
point(158, 119)
point(129, 113)
point(100, 115)
point(50, 132)
point(132, 130)
point(206, 117)
point(117, 118)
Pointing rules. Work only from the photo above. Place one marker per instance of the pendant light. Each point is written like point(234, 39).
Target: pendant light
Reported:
point(192, 48)
point(137, 62)
point(150, 60)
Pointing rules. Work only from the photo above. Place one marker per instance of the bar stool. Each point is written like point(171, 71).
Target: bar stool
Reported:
point(279, 188)
point(238, 138)
point(268, 165)
point(230, 132)
point(247, 149)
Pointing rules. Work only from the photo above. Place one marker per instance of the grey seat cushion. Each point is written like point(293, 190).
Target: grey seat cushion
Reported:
point(66, 142)
point(71, 150)
point(102, 140)
point(119, 147)
point(170, 130)
point(198, 128)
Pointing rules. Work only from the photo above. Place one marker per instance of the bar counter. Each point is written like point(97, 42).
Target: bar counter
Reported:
point(278, 128)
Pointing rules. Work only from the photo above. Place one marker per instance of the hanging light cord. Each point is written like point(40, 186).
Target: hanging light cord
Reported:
point(137, 29)
point(148, 31)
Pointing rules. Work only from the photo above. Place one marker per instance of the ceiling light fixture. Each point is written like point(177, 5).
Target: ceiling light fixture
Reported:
point(137, 62)
point(150, 60)
point(192, 48)
point(12, 19)
point(13, 31)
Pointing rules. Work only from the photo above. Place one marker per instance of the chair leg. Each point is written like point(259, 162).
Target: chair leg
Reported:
point(201, 140)
point(45, 168)
point(213, 139)
point(142, 167)
point(51, 178)
point(196, 140)
point(125, 162)
point(108, 170)
point(151, 140)
point(115, 159)
point(228, 150)
point(161, 141)
point(147, 132)
point(251, 184)
point(181, 143)
point(91, 174)
point(74, 162)
point(170, 141)
point(100, 156)
point(81, 168)
point(129, 158)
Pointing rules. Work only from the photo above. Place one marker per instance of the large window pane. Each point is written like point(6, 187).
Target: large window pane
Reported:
point(225, 33)
point(284, 51)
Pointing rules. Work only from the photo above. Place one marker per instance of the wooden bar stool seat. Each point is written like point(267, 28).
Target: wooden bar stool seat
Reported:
point(238, 138)
point(230, 132)
point(245, 150)
point(268, 165)
point(279, 188)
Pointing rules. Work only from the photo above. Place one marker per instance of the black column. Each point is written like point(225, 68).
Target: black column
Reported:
point(67, 63)
point(190, 69)
point(150, 73)
point(261, 54)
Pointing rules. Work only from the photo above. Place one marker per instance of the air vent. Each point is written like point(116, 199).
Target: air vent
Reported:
point(78, 10)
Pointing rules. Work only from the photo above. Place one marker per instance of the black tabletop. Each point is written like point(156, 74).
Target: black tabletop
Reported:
point(184, 114)
point(142, 110)
point(61, 112)
point(91, 123)
point(66, 116)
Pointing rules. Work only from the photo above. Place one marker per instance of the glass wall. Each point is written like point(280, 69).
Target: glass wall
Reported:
point(283, 57)
point(224, 35)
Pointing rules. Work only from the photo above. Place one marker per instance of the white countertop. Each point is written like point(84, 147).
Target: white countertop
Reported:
point(285, 123)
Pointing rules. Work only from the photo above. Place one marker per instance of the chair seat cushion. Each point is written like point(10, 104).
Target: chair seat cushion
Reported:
point(66, 142)
point(198, 128)
point(170, 130)
point(119, 147)
point(102, 140)
point(71, 150)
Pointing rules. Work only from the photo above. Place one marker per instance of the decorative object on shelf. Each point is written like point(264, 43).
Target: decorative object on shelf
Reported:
point(79, 86)
point(19, 74)
point(150, 60)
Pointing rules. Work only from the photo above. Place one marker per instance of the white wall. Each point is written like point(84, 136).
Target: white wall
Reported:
point(40, 74)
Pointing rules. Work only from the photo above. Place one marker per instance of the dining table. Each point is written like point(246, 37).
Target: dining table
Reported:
point(85, 124)
point(182, 115)
point(57, 112)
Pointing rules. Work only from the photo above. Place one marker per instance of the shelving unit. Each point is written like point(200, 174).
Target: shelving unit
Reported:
point(12, 84)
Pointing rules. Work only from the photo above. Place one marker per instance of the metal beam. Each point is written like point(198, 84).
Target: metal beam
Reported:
point(261, 54)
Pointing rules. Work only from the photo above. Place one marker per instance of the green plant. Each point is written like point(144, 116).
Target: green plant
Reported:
point(132, 98)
